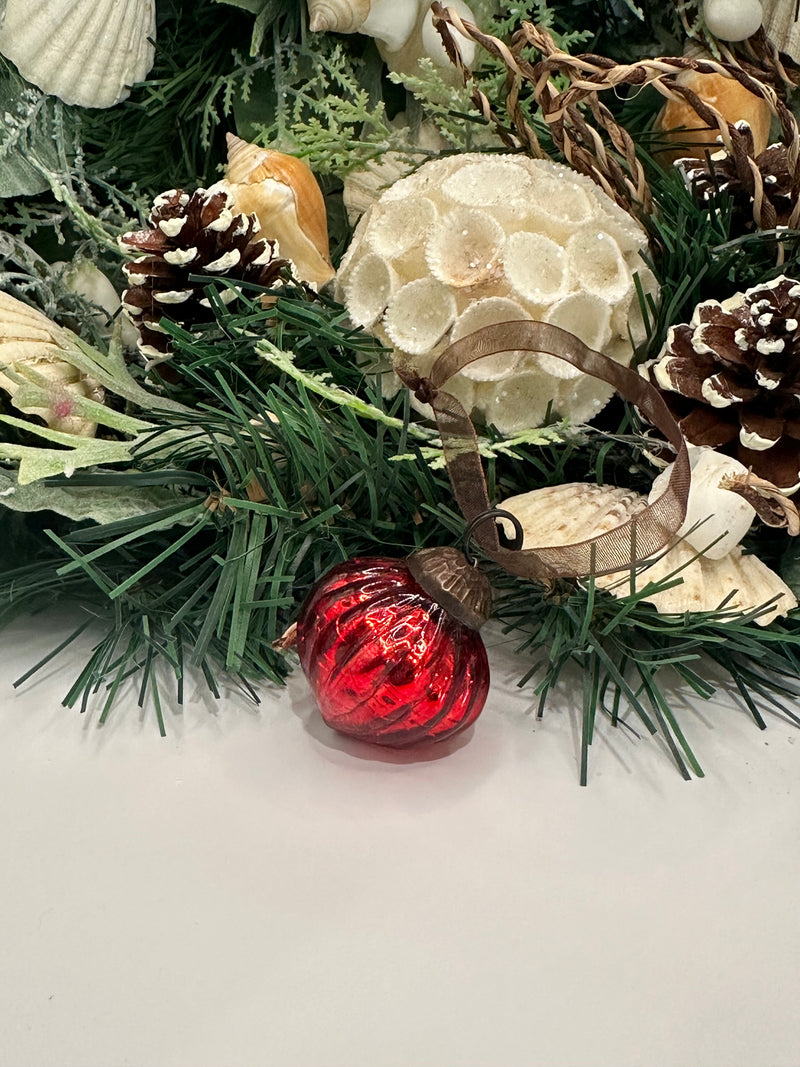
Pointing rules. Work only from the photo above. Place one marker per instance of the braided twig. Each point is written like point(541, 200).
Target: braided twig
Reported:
point(602, 148)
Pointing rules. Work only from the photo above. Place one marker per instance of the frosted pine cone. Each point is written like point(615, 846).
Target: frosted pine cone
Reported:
point(731, 377)
point(195, 234)
point(720, 172)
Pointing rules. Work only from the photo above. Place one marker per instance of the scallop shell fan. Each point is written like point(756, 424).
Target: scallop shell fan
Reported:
point(87, 52)
point(562, 514)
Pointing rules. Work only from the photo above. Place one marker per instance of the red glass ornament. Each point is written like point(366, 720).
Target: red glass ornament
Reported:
point(388, 663)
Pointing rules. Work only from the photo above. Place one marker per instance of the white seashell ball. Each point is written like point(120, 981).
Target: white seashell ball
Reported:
point(472, 240)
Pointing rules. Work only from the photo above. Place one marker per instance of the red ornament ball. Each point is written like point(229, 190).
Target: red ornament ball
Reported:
point(388, 663)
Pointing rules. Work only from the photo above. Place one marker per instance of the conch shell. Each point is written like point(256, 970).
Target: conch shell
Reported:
point(576, 511)
point(283, 194)
point(684, 128)
point(30, 353)
point(402, 29)
point(339, 16)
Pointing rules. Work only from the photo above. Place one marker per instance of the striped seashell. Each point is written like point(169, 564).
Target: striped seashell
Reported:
point(577, 511)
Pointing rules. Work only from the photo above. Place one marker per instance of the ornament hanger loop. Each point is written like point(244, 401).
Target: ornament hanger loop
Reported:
point(494, 513)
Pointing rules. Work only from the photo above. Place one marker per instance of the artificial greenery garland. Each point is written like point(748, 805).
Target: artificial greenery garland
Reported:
point(156, 523)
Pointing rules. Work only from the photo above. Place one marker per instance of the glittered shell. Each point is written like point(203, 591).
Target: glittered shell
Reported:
point(472, 240)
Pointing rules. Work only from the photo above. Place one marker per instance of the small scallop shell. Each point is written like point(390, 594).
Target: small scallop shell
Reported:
point(284, 195)
point(369, 289)
point(486, 182)
point(87, 52)
point(536, 267)
point(399, 225)
point(576, 511)
point(419, 315)
point(465, 247)
point(580, 399)
point(782, 27)
point(517, 403)
point(337, 16)
point(488, 312)
point(597, 265)
point(588, 318)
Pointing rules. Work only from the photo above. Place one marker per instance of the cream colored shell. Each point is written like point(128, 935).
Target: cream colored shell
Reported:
point(284, 195)
point(716, 519)
point(87, 52)
point(576, 511)
point(402, 29)
point(30, 352)
point(782, 27)
point(531, 237)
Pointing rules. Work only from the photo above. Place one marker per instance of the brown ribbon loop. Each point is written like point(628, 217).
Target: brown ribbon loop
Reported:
point(619, 549)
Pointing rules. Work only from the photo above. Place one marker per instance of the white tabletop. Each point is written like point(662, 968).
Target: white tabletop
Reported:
point(254, 891)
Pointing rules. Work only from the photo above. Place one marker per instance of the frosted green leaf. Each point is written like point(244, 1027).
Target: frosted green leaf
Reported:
point(82, 503)
point(34, 130)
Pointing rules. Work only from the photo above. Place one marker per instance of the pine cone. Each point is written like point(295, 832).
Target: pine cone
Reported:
point(731, 377)
point(721, 172)
point(190, 234)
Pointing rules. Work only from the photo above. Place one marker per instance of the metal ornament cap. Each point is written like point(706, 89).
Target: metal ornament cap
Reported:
point(451, 580)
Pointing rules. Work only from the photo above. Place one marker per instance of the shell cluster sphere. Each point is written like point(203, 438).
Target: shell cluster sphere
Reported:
point(472, 240)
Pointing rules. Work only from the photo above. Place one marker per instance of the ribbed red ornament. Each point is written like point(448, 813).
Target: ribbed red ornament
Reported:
point(386, 662)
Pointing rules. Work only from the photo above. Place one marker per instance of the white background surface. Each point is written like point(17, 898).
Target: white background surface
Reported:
point(255, 892)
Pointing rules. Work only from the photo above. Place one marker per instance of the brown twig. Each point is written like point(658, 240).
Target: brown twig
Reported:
point(602, 148)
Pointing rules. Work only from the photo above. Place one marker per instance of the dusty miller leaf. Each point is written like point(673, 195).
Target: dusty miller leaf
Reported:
point(82, 503)
point(37, 133)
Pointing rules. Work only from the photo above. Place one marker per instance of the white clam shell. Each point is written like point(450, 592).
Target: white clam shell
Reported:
point(577, 511)
point(431, 41)
point(712, 514)
point(87, 52)
point(391, 22)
